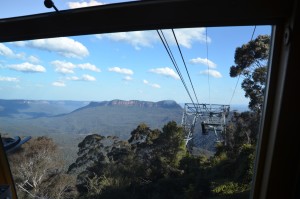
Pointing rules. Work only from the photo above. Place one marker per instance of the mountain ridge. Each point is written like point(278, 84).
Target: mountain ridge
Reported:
point(115, 117)
point(131, 103)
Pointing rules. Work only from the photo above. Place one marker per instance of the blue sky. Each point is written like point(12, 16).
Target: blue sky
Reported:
point(127, 66)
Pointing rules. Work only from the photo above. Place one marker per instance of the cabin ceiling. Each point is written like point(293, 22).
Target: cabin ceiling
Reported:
point(144, 15)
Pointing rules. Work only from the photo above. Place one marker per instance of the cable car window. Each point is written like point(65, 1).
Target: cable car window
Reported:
point(161, 113)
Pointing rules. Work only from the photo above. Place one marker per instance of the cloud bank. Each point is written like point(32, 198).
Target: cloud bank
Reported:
point(212, 73)
point(168, 72)
point(124, 71)
point(185, 37)
point(63, 46)
point(27, 68)
point(203, 61)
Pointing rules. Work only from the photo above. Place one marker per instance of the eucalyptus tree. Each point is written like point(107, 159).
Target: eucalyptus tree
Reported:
point(251, 61)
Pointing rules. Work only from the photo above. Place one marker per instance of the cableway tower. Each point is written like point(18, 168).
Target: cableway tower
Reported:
point(211, 117)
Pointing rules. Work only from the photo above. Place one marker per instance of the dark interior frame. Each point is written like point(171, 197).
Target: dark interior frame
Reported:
point(144, 15)
point(277, 166)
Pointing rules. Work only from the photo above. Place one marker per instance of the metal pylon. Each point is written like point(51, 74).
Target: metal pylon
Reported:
point(212, 118)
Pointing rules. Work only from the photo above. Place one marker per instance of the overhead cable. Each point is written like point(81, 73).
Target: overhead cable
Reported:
point(166, 45)
point(185, 65)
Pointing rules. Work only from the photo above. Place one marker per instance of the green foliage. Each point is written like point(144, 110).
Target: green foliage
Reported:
point(157, 165)
point(245, 167)
point(230, 188)
point(139, 133)
point(243, 129)
point(151, 158)
point(191, 164)
point(152, 136)
point(96, 185)
point(171, 144)
point(231, 176)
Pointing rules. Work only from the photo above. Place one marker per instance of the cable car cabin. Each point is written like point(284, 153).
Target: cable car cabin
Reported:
point(211, 127)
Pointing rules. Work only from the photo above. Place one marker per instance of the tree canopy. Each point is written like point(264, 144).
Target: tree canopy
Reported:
point(251, 61)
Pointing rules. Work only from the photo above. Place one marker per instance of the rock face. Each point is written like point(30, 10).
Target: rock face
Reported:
point(136, 103)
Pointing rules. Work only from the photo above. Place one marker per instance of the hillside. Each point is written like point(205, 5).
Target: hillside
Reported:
point(116, 117)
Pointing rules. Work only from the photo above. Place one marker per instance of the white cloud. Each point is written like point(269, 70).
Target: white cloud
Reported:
point(63, 67)
point(59, 84)
point(83, 78)
point(204, 61)
point(88, 66)
point(8, 79)
point(19, 43)
point(84, 4)
point(27, 67)
point(88, 78)
point(127, 78)
point(62, 45)
point(121, 70)
point(212, 73)
point(33, 59)
point(185, 37)
point(155, 85)
point(165, 71)
point(7, 52)
point(150, 84)
point(137, 38)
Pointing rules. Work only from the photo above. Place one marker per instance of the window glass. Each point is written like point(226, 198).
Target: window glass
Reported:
point(144, 114)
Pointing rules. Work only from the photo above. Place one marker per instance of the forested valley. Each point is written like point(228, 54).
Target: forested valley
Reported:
point(151, 164)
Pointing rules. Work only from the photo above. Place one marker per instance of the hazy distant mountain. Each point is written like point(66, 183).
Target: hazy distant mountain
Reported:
point(116, 117)
point(37, 108)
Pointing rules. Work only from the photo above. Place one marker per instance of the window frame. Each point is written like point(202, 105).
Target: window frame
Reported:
point(276, 175)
